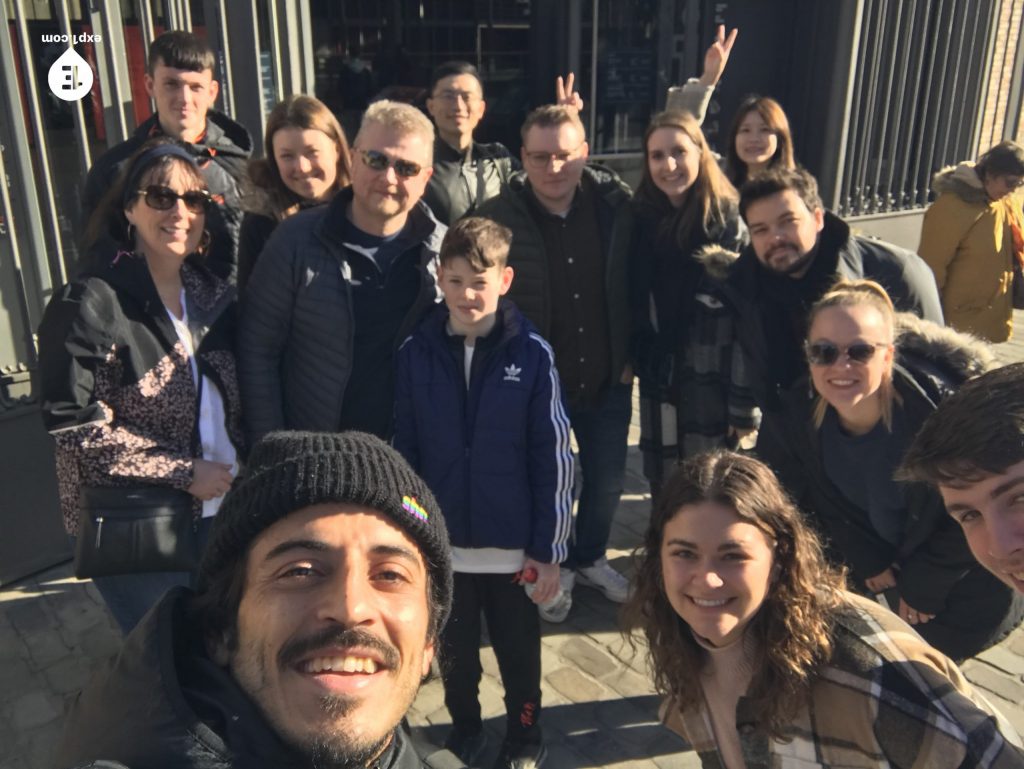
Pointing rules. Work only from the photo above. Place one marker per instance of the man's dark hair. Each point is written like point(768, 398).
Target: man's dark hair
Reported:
point(1005, 159)
point(481, 242)
point(776, 180)
point(181, 50)
point(975, 432)
point(451, 69)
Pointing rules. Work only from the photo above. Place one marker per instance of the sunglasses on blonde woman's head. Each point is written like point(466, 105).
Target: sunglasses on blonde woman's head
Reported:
point(378, 161)
point(161, 198)
point(827, 353)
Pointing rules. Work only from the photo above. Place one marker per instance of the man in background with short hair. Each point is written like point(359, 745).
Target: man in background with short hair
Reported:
point(180, 80)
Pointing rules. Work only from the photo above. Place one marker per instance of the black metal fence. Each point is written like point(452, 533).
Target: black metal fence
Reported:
point(917, 98)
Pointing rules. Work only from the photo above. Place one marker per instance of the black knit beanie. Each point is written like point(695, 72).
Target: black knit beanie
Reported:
point(288, 471)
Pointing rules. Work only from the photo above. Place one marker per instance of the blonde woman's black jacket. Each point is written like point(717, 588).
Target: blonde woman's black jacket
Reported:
point(936, 573)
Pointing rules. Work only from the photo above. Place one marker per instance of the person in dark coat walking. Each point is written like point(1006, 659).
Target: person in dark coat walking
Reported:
point(877, 376)
point(180, 80)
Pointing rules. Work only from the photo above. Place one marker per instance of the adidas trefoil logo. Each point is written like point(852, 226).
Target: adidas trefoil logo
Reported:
point(512, 373)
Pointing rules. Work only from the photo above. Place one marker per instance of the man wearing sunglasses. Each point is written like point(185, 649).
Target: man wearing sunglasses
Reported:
point(339, 287)
point(972, 449)
point(797, 251)
point(180, 81)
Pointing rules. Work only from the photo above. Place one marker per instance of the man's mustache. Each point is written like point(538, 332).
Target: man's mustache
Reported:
point(295, 650)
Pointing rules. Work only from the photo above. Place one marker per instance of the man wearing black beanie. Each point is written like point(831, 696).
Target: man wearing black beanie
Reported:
point(322, 591)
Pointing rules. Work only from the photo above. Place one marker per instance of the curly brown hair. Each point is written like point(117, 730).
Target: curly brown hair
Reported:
point(793, 628)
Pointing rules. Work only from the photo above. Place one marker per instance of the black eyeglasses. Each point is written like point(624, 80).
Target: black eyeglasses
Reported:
point(164, 198)
point(378, 161)
point(827, 353)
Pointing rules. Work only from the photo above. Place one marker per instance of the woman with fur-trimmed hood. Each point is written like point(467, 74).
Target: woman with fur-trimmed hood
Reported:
point(971, 236)
point(875, 376)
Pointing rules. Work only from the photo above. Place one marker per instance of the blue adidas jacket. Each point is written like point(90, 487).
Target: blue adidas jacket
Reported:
point(496, 455)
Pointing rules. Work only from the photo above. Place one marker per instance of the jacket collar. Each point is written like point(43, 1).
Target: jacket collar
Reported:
point(223, 135)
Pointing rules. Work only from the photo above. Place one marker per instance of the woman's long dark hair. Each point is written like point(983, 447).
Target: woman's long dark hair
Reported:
point(793, 628)
point(305, 113)
point(108, 222)
point(772, 114)
point(709, 202)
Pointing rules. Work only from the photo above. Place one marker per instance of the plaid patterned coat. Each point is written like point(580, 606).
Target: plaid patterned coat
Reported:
point(886, 699)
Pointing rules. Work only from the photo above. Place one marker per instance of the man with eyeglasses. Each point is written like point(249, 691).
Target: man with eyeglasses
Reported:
point(797, 252)
point(180, 80)
point(466, 172)
point(338, 287)
point(571, 223)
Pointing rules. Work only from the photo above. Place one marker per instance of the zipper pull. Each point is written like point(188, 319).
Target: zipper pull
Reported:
point(99, 530)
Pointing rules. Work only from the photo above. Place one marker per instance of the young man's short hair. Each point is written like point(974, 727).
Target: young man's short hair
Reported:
point(975, 432)
point(776, 180)
point(552, 116)
point(181, 50)
point(453, 69)
point(481, 242)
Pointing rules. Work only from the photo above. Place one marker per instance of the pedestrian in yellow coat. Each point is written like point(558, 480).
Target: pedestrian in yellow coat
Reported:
point(971, 235)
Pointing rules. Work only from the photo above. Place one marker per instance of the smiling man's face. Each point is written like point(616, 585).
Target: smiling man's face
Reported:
point(333, 630)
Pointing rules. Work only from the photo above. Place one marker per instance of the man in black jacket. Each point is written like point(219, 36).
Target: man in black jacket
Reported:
point(466, 173)
point(571, 224)
point(340, 286)
point(322, 593)
point(180, 80)
point(797, 252)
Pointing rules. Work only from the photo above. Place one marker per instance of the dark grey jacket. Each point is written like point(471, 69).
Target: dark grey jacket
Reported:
point(531, 287)
point(462, 182)
point(297, 329)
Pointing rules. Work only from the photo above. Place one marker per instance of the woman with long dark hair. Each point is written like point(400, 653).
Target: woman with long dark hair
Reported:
point(692, 385)
point(136, 361)
point(306, 161)
point(759, 138)
point(766, 660)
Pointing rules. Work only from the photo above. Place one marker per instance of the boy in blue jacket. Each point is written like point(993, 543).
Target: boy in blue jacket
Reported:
point(479, 415)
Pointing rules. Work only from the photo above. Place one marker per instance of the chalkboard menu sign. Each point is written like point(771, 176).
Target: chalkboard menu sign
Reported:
point(628, 77)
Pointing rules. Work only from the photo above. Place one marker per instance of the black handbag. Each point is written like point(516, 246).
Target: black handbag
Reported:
point(1017, 290)
point(134, 530)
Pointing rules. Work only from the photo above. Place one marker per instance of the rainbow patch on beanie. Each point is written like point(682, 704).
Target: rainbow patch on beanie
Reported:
point(412, 506)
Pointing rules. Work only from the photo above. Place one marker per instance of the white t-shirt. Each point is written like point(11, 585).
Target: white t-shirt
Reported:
point(213, 432)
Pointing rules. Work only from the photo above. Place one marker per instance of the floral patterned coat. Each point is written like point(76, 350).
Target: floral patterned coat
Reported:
point(115, 381)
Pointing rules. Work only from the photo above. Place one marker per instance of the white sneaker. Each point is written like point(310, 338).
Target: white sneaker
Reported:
point(557, 609)
point(603, 577)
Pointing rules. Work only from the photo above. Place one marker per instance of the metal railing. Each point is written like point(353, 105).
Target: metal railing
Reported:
point(918, 95)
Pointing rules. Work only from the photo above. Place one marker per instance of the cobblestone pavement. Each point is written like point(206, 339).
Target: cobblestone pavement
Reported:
point(599, 707)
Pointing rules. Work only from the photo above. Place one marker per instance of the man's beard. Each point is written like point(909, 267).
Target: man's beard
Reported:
point(337, 750)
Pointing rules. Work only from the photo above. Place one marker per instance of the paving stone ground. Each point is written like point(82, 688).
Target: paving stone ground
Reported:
point(599, 707)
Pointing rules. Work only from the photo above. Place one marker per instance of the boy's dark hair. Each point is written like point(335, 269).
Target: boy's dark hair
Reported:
point(181, 50)
point(975, 432)
point(481, 242)
point(451, 69)
point(1005, 159)
point(775, 180)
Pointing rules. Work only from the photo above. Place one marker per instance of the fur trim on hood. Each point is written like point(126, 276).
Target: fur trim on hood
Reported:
point(955, 353)
point(963, 181)
point(716, 260)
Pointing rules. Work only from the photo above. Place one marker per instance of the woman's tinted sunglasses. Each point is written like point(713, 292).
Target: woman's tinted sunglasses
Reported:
point(378, 161)
point(163, 198)
point(827, 353)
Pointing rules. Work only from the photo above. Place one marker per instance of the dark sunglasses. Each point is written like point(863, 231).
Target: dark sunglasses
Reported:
point(378, 161)
point(164, 198)
point(827, 353)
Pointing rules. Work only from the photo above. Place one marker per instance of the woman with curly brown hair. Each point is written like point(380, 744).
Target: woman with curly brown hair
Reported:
point(766, 660)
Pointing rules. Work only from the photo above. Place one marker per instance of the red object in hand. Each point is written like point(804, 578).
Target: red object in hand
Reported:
point(529, 575)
